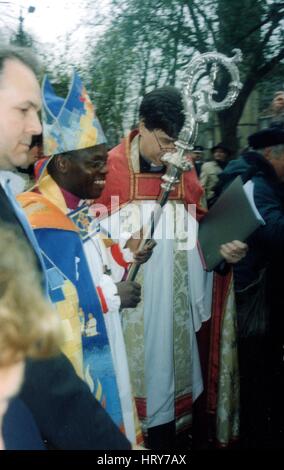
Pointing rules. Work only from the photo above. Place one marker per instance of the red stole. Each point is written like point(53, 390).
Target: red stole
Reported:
point(121, 181)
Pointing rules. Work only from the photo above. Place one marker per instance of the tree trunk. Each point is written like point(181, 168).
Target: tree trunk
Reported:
point(229, 118)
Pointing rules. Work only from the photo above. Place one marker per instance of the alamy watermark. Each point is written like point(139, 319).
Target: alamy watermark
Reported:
point(176, 222)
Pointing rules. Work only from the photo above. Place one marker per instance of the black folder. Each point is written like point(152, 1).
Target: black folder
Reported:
point(233, 217)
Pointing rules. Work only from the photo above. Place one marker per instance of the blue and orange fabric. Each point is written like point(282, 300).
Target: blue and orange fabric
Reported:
point(72, 291)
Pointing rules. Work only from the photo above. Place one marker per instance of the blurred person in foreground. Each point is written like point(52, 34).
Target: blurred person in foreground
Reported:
point(35, 333)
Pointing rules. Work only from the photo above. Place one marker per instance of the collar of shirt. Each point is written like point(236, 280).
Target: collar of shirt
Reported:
point(72, 201)
point(148, 167)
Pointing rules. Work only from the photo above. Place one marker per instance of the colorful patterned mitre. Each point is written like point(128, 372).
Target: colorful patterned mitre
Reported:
point(69, 124)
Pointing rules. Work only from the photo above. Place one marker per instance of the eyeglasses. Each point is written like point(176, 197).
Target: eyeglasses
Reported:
point(165, 149)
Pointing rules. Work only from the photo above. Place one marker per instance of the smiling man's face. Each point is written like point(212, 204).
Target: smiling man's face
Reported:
point(20, 102)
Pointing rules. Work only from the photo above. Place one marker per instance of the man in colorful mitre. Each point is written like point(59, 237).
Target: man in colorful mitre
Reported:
point(176, 291)
point(76, 171)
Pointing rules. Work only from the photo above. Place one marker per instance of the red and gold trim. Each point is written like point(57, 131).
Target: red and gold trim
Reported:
point(123, 182)
point(221, 289)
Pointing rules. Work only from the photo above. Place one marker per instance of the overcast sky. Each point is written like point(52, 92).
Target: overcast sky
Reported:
point(51, 22)
point(50, 18)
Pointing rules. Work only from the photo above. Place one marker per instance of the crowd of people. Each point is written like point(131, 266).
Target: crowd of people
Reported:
point(92, 360)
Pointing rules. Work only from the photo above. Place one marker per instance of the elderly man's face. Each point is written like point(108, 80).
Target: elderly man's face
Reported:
point(279, 167)
point(20, 102)
point(277, 163)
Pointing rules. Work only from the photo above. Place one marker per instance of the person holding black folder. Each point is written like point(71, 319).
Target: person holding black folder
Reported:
point(258, 289)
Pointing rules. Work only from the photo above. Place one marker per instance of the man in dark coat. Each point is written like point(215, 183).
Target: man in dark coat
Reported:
point(66, 413)
point(197, 155)
point(259, 289)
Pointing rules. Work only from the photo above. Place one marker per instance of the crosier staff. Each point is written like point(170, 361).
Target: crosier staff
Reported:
point(197, 103)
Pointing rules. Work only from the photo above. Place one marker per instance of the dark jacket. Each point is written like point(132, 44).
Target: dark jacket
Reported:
point(65, 411)
point(19, 429)
point(266, 243)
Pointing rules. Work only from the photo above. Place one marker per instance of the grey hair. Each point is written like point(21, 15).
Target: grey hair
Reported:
point(277, 151)
point(22, 54)
point(278, 93)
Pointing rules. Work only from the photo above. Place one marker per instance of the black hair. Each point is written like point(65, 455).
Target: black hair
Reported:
point(162, 109)
point(221, 146)
point(22, 54)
